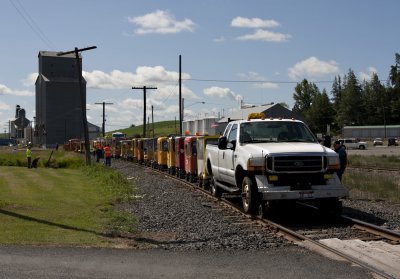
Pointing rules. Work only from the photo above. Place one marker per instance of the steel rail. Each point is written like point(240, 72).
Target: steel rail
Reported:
point(294, 235)
point(373, 168)
point(371, 228)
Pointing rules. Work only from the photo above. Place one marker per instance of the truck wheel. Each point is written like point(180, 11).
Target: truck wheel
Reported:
point(249, 195)
point(214, 189)
point(262, 210)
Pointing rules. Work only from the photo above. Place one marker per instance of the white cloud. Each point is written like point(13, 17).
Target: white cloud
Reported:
point(253, 22)
point(313, 68)
point(222, 93)
point(4, 90)
point(4, 106)
point(219, 40)
point(161, 22)
point(265, 35)
point(30, 80)
point(268, 85)
point(130, 103)
point(120, 80)
point(254, 76)
point(132, 107)
point(368, 75)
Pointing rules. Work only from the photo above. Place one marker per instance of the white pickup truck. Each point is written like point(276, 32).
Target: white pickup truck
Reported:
point(268, 161)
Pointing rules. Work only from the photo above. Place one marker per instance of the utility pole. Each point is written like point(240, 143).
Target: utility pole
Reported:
point(152, 119)
point(103, 126)
point(180, 96)
point(144, 106)
point(83, 103)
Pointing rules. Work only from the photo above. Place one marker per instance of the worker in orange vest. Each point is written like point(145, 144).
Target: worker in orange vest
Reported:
point(107, 155)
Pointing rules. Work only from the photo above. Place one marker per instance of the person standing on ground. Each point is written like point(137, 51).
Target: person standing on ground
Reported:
point(338, 147)
point(99, 153)
point(29, 155)
point(107, 155)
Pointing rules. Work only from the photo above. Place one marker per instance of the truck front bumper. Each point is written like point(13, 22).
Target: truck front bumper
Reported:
point(270, 192)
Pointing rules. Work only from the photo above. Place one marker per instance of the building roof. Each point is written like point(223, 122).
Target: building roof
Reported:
point(54, 54)
point(371, 127)
point(268, 109)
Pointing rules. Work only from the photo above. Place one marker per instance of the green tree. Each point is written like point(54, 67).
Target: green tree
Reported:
point(321, 113)
point(351, 110)
point(394, 75)
point(304, 95)
point(375, 101)
point(336, 92)
point(394, 92)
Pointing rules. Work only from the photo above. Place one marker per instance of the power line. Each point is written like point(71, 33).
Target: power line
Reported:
point(32, 24)
point(253, 81)
point(261, 81)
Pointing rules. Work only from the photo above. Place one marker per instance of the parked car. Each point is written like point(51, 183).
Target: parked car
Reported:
point(378, 141)
point(353, 143)
point(393, 142)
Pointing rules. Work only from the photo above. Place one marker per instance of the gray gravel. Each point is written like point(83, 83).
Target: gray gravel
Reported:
point(173, 217)
point(378, 212)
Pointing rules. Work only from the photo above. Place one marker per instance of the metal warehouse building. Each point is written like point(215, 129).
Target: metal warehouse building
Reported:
point(370, 132)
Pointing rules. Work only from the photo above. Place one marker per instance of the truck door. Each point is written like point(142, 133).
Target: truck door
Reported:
point(226, 160)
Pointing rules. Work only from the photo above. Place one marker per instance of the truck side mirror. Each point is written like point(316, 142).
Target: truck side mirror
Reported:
point(222, 143)
point(231, 145)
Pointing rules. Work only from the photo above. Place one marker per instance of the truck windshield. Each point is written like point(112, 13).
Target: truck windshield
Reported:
point(275, 131)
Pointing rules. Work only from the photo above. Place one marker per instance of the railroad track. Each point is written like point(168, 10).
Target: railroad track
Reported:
point(309, 226)
point(305, 226)
point(371, 168)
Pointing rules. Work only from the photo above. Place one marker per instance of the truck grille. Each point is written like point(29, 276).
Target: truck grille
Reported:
point(296, 164)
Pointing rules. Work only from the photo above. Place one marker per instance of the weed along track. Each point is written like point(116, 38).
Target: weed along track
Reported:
point(175, 214)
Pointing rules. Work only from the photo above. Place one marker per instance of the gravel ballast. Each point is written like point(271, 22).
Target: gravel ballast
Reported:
point(175, 217)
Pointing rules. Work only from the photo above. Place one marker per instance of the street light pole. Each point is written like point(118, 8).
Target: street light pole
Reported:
point(183, 107)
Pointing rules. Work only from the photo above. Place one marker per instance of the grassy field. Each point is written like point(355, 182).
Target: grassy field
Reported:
point(372, 185)
point(63, 206)
point(382, 161)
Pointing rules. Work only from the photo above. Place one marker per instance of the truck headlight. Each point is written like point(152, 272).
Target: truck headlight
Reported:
point(255, 164)
point(333, 163)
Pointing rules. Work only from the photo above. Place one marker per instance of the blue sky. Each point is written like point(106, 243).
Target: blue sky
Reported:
point(232, 50)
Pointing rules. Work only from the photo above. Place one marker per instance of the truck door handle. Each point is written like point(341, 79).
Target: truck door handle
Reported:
point(235, 156)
